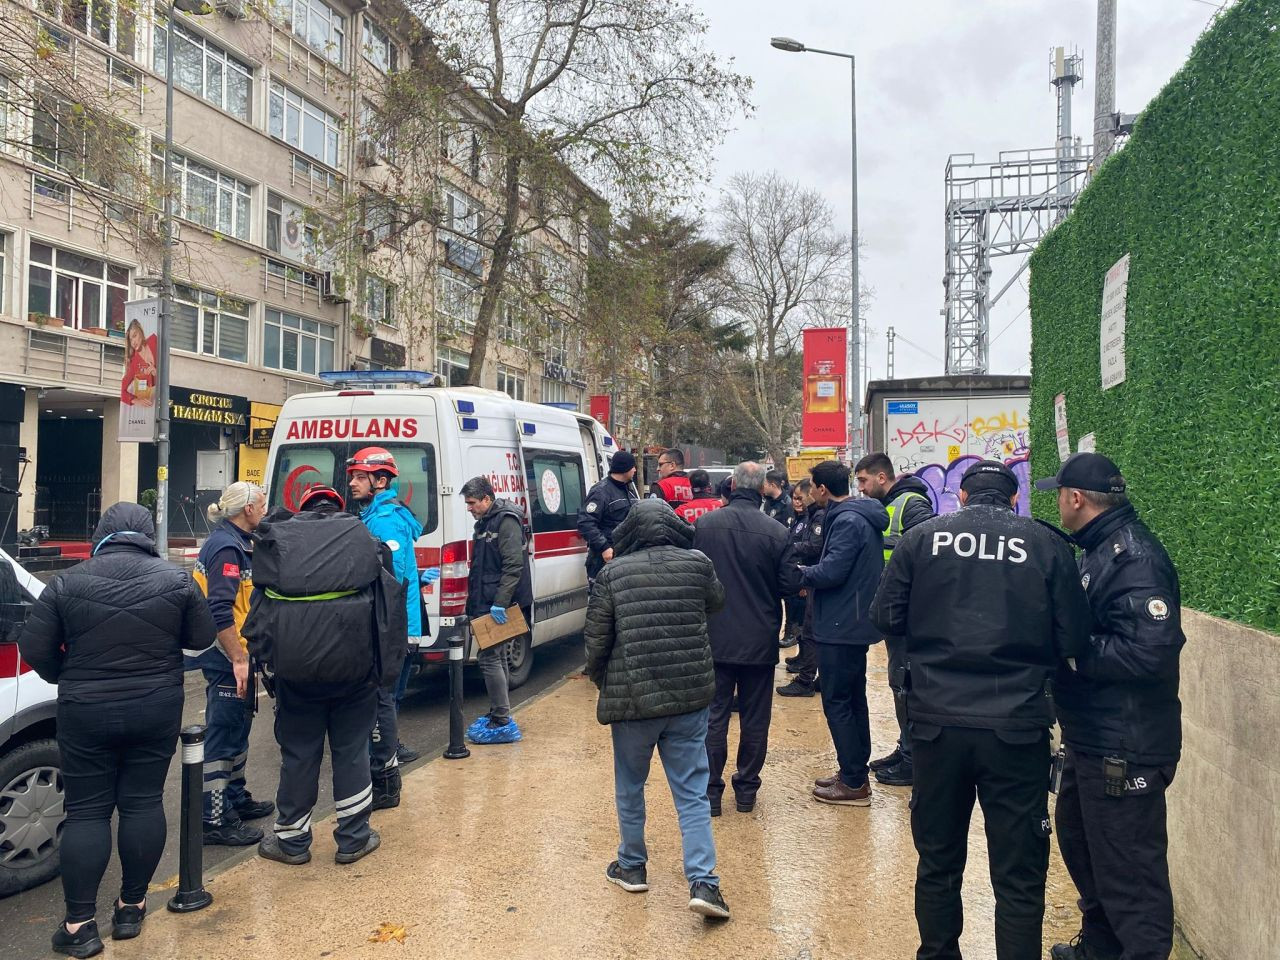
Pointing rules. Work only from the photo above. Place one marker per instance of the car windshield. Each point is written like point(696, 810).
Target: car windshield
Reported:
point(301, 466)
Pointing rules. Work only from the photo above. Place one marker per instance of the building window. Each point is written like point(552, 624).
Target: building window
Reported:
point(379, 300)
point(512, 328)
point(4, 267)
point(456, 300)
point(288, 231)
point(82, 143)
point(207, 196)
point(296, 343)
point(316, 23)
point(291, 274)
point(379, 49)
point(205, 69)
point(114, 24)
point(556, 391)
point(84, 291)
point(453, 366)
point(377, 132)
point(511, 382)
point(206, 323)
point(316, 177)
point(461, 213)
point(305, 125)
point(383, 222)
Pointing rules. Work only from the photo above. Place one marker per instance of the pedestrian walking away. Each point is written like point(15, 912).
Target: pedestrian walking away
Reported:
point(499, 579)
point(704, 498)
point(989, 605)
point(1121, 721)
point(223, 571)
point(755, 562)
point(606, 506)
point(906, 499)
point(314, 626)
point(656, 680)
point(673, 484)
point(806, 541)
point(371, 477)
point(843, 582)
point(111, 633)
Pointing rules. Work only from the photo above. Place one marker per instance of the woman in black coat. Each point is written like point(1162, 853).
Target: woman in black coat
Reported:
point(110, 633)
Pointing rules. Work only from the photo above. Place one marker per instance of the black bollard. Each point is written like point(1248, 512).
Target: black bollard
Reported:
point(191, 893)
point(457, 748)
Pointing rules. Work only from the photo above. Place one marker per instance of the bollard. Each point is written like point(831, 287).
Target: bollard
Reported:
point(457, 748)
point(191, 893)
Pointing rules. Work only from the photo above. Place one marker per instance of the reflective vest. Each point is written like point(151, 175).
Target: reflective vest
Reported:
point(894, 533)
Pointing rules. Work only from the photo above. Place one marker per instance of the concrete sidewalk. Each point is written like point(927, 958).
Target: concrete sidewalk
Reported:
point(502, 855)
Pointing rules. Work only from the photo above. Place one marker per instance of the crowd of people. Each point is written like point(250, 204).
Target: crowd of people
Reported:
point(995, 632)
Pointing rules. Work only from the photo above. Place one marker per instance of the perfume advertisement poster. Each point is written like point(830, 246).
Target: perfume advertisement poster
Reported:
point(141, 360)
point(824, 422)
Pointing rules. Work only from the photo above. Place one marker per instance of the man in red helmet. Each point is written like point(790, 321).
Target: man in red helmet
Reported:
point(371, 477)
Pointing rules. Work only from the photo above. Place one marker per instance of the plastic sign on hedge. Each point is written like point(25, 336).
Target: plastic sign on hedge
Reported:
point(141, 358)
point(824, 419)
point(1115, 297)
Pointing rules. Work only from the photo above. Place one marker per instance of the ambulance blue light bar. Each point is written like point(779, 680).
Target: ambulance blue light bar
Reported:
point(528, 429)
point(470, 423)
point(608, 441)
point(466, 406)
point(381, 378)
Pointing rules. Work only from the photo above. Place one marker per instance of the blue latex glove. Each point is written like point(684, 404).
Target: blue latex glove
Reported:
point(430, 575)
point(499, 614)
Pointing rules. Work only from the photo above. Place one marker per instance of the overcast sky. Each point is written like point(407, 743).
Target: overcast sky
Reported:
point(935, 77)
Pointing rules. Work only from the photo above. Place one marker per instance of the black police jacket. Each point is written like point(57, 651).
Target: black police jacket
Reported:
point(989, 603)
point(779, 508)
point(499, 561)
point(606, 506)
point(806, 535)
point(1122, 698)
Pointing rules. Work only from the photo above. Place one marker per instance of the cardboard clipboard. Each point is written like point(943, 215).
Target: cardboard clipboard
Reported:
point(489, 633)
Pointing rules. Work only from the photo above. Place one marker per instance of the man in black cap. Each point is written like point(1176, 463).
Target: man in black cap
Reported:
point(606, 506)
point(1121, 721)
point(989, 604)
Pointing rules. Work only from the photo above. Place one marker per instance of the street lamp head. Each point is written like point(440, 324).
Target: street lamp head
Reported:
point(787, 44)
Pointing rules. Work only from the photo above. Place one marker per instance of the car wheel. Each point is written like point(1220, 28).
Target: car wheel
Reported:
point(520, 659)
point(31, 815)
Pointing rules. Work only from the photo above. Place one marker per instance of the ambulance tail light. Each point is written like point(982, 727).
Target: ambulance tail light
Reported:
point(11, 663)
point(454, 570)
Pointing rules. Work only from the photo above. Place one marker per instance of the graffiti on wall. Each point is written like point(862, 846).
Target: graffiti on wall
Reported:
point(943, 481)
point(932, 432)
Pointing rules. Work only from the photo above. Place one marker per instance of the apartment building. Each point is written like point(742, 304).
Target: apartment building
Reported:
point(275, 159)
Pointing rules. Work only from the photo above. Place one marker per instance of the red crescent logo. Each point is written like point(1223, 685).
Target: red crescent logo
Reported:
point(294, 487)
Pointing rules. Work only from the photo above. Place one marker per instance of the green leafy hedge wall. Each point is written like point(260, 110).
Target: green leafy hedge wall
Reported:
point(1194, 199)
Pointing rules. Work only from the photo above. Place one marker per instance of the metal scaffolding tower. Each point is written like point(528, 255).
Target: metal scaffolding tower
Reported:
point(1003, 209)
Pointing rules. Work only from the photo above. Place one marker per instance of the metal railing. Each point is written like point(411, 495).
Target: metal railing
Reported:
point(71, 357)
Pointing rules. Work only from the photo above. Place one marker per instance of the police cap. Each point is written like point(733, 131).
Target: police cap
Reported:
point(989, 475)
point(1086, 471)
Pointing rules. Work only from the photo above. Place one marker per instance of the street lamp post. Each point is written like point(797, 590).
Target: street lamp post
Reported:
point(166, 307)
point(855, 340)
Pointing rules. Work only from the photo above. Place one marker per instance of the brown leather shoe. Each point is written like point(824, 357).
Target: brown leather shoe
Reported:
point(830, 781)
point(839, 793)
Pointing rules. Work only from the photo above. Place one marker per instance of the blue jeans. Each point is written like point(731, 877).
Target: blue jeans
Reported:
point(682, 747)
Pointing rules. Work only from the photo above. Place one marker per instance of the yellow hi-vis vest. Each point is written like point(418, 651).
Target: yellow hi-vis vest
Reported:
point(894, 533)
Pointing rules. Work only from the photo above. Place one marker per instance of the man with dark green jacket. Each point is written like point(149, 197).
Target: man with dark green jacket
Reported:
point(652, 663)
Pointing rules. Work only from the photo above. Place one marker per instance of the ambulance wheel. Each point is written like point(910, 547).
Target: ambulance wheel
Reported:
point(520, 658)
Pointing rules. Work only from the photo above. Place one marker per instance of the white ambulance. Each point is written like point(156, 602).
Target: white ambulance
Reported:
point(542, 458)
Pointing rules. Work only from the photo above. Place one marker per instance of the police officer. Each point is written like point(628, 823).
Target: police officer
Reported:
point(907, 501)
point(606, 506)
point(1121, 721)
point(224, 574)
point(776, 499)
point(989, 603)
point(331, 631)
point(673, 483)
point(704, 498)
point(806, 540)
point(372, 475)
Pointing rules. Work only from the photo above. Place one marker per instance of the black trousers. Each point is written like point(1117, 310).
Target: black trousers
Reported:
point(115, 756)
point(897, 650)
point(305, 715)
point(807, 659)
point(754, 686)
point(1115, 849)
point(794, 607)
point(1011, 781)
point(844, 701)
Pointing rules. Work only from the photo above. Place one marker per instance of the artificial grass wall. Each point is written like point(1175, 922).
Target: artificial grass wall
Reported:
point(1194, 199)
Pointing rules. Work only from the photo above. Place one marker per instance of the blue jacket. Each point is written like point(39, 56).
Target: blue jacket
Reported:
point(845, 578)
point(391, 522)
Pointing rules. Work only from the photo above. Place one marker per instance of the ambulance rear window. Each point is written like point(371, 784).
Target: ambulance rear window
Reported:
point(301, 466)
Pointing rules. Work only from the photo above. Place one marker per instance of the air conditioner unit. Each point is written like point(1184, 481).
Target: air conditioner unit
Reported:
point(234, 9)
point(367, 153)
point(333, 287)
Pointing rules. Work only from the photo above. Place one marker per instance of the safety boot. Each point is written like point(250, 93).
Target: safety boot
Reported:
point(386, 789)
point(1079, 949)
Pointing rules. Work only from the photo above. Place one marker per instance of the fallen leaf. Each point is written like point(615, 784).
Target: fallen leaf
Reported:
point(387, 932)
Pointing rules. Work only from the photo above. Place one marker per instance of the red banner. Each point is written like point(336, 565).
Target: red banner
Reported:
point(602, 409)
point(825, 420)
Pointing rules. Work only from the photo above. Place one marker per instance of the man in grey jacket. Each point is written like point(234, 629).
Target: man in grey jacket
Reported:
point(656, 678)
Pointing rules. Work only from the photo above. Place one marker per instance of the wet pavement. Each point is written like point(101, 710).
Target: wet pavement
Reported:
point(502, 855)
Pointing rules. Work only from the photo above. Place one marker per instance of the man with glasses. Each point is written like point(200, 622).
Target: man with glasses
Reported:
point(673, 483)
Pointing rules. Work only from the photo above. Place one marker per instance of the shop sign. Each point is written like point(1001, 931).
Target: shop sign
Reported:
point(201, 406)
point(262, 424)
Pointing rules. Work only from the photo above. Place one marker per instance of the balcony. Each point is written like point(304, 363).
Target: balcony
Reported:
point(73, 358)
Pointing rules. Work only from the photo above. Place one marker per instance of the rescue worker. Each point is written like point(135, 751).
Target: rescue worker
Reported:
point(704, 498)
point(989, 605)
point(907, 501)
point(224, 574)
point(606, 506)
point(777, 498)
point(806, 541)
point(371, 477)
point(1121, 721)
point(673, 483)
point(330, 688)
point(499, 578)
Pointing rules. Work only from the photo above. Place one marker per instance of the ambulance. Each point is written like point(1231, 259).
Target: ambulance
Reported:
point(542, 458)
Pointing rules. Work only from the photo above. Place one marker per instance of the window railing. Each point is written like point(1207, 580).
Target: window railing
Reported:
point(296, 55)
point(49, 192)
point(72, 357)
point(84, 54)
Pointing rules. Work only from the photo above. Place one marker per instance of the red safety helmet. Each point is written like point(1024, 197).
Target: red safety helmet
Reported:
point(322, 492)
point(371, 460)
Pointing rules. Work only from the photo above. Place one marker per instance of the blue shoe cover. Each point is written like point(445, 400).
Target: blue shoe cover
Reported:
point(481, 732)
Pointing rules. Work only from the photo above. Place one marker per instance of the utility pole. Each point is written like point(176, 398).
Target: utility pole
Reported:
point(166, 306)
point(889, 334)
point(1104, 90)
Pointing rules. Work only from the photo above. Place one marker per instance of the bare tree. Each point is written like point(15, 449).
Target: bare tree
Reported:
point(788, 270)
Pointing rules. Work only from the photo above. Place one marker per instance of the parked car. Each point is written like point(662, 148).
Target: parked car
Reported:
point(31, 798)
